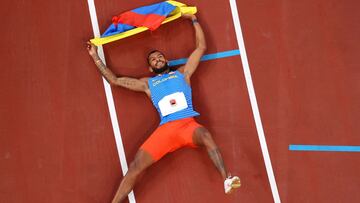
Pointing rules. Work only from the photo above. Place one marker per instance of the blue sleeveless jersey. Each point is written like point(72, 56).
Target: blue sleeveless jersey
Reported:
point(168, 84)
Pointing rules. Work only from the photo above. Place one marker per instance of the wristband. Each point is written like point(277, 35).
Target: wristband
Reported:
point(194, 21)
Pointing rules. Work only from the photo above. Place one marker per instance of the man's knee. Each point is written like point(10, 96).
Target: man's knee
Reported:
point(140, 163)
point(203, 137)
point(135, 167)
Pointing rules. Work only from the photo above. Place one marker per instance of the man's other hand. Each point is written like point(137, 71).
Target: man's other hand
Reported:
point(188, 16)
point(92, 49)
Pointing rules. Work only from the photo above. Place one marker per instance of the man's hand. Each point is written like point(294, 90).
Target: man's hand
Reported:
point(92, 49)
point(188, 16)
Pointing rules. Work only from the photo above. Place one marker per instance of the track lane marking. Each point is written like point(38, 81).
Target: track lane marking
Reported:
point(324, 148)
point(207, 57)
point(253, 102)
point(110, 100)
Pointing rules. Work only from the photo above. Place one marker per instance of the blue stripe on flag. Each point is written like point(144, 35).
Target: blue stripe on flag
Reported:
point(162, 9)
point(116, 29)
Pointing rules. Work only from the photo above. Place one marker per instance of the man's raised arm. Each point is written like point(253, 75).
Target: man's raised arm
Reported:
point(129, 83)
point(196, 55)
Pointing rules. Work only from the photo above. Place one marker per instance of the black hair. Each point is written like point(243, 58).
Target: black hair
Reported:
point(151, 52)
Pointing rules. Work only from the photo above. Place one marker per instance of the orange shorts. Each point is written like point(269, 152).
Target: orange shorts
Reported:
point(170, 137)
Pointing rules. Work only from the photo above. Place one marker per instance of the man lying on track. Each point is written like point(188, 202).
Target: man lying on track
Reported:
point(170, 93)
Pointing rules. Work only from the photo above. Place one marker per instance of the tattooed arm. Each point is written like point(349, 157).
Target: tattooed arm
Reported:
point(139, 85)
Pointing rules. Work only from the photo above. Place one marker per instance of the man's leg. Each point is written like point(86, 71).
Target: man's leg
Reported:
point(202, 137)
point(142, 161)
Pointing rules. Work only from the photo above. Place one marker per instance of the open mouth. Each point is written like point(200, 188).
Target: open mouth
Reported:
point(159, 63)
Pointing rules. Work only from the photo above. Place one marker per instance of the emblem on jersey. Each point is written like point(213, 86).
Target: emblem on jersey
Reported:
point(172, 102)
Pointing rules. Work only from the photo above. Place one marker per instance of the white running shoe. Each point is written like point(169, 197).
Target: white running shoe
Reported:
point(231, 183)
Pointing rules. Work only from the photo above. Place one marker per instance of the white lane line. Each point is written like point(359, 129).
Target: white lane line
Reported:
point(253, 102)
point(110, 100)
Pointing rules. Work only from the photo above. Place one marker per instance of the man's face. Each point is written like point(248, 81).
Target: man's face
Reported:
point(157, 62)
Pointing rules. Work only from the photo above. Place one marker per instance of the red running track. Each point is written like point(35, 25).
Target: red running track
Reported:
point(56, 139)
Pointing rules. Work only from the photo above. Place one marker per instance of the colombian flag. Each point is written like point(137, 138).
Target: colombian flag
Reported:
point(142, 19)
point(148, 16)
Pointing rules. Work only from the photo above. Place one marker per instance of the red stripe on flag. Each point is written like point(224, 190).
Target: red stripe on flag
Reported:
point(151, 21)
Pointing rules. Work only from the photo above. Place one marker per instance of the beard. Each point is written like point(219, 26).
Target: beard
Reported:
point(161, 70)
